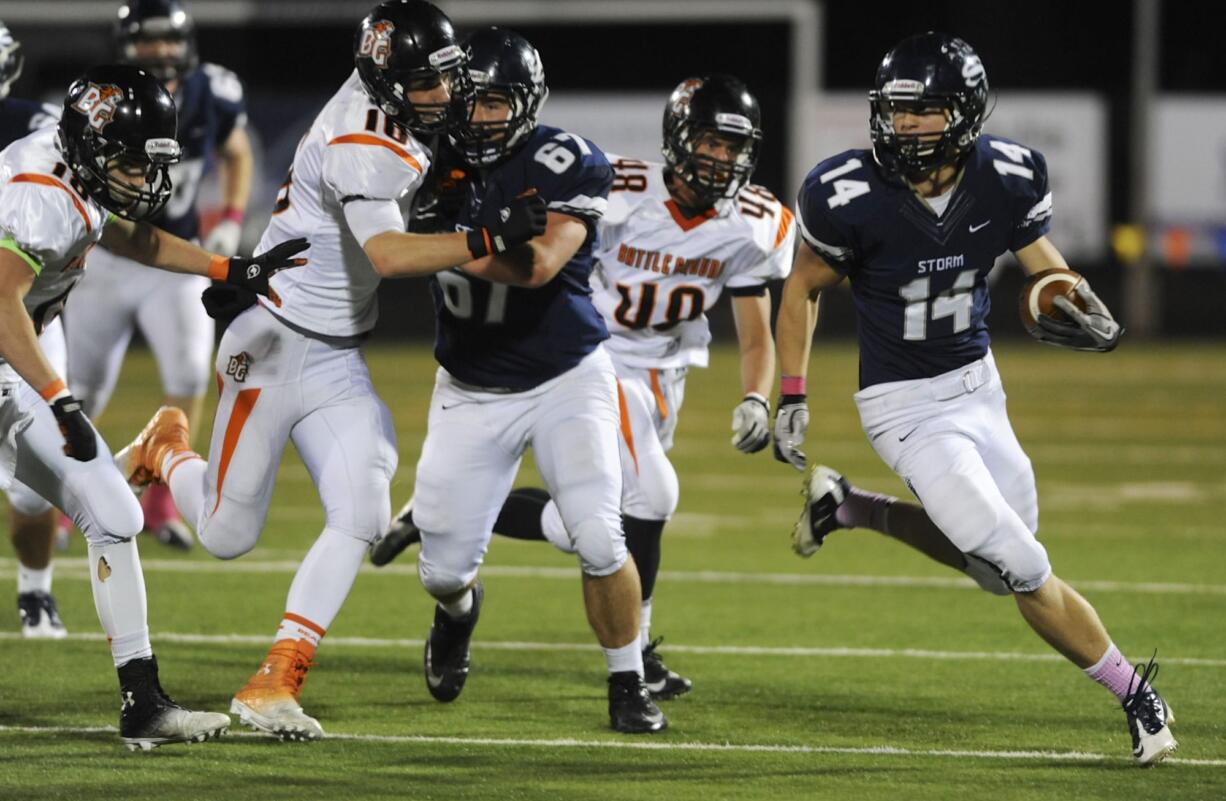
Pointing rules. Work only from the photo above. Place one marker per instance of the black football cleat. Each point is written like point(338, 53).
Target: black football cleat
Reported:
point(631, 710)
point(1149, 719)
point(661, 682)
point(149, 717)
point(446, 657)
point(399, 535)
point(40, 619)
point(825, 490)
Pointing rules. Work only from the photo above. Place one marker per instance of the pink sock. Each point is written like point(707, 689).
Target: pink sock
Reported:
point(158, 506)
point(1115, 673)
point(864, 510)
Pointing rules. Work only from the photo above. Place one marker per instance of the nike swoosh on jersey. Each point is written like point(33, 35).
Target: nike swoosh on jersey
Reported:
point(903, 438)
point(974, 228)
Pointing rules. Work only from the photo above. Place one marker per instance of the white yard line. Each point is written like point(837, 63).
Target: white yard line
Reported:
point(720, 650)
point(76, 568)
point(663, 744)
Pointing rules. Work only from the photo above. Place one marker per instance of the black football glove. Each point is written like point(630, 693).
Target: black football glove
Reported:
point(254, 273)
point(520, 220)
point(1093, 329)
point(224, 302)
point(79, 439)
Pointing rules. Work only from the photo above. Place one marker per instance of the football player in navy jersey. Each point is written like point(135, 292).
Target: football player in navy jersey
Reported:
point(159, 36)
point(32, 519)
point(522, 366)
point(915, 225)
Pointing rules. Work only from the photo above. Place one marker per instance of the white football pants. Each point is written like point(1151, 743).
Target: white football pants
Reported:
point(650, 402)
point(950, 440)
point(51, 341)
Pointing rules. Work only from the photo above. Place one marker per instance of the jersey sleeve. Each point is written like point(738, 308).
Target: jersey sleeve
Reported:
point(228, 98)
point(820, 228)
point(1032, 202)
point(773, 228)
point(40, 221)
point(573, 176)
point(368, 166)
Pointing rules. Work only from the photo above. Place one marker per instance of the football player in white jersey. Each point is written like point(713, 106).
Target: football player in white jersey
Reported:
point(293, 371)
point(96, 178)
point(159, 36)
point(674, 237)
point(916, 224)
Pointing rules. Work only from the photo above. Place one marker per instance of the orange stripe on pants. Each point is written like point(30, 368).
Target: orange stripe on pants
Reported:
point(238, 418)
point(627, 431)
point(661, 403)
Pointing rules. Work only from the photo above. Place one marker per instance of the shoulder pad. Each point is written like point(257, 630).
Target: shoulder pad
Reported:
point(571, 173)
point(373, 165)
point(44, 216)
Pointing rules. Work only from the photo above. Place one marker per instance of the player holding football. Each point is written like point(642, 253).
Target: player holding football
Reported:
point(159, 37)
point(524, 366)
point(31, 518)
point(96, 178)
point(674, 237)
point(290, 368)
point(915, 224)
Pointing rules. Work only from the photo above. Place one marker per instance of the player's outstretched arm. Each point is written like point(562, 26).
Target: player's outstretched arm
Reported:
point(751, 417)
point(793, 337)
point(395, 254)
point(19, 347)
point(1094, 329)
point(155, 248)
point(538, 260)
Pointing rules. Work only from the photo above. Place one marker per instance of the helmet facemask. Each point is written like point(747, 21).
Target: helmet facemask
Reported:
point(12, 60)
point(449, 69)
point(132, 182)
point(713, 179)
point(485, 143)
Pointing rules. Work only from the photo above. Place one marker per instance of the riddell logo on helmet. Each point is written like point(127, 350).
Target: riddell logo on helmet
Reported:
point(98, 104)
point(376, 43)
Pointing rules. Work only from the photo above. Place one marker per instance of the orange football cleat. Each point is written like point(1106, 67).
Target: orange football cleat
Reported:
point(269, 701)
point(166, 433)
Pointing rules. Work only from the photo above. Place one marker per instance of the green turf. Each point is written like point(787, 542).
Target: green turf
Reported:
point(1130, 452)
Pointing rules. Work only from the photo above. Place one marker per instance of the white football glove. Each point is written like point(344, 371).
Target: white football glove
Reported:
point(1093, 329)
point(224, 238)
point(791, 423)
point(751, 424)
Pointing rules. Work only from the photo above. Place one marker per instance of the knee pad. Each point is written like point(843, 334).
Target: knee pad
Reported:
point(26, 501)
point(601, 546)
point(986, 576)
point(440, 580)
point(225, 539)
point(1019, 558)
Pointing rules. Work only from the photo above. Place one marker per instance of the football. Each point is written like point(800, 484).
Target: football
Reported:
point(1039, 294)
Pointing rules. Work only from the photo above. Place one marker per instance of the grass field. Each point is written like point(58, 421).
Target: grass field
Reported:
point(866, 672)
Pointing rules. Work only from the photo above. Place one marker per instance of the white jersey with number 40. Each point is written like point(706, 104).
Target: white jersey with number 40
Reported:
point(353, 154)
point(658, 272)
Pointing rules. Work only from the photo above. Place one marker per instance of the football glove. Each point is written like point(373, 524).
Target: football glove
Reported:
point(224, 238)
point(80, 442)
point(1093, 329)
point(791, 423)
point(254, 273)
point(224, 302)
point(751, 424)
point(520, 220)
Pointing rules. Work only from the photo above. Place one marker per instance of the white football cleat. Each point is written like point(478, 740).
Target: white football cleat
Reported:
point(824, 492)
point(280, 717)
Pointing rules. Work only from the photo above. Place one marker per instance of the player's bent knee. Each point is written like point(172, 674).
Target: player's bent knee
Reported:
point(1022, 562)
point(989, 577)
point(226, 539)
point(442, 581)
point(601, 547)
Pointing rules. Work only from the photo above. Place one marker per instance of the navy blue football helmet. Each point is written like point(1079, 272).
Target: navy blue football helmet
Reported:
point(117, 135)
point(924, 72)
point(723, 105)
point(408, 45)
point(503, 64)
point(148, 21)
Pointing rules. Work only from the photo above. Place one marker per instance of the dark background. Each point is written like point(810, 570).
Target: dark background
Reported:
point(291, 68)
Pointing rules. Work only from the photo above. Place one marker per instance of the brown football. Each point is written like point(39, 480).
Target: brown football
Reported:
point(1040, 292)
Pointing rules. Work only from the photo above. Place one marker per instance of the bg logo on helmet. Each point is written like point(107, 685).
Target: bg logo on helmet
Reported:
point(98, 104)
point(376, 43)
point(683, 94)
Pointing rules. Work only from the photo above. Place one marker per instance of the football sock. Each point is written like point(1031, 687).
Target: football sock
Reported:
point(321, 585)
point(186, 480)
point(1115, 673)
point(31, 580)
point(158, 506)
point(865, 510)
point(520, 517)
point(626, 658)
point(645, 624)
point(119, 597)
point(643, 542)
point(460, 607)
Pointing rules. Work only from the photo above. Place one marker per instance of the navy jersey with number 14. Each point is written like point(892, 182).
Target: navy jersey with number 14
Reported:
point(919, 278)
point(505, 337)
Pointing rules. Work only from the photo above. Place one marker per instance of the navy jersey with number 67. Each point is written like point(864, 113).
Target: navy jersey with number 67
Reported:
point(500, 336)
point(919, 279)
